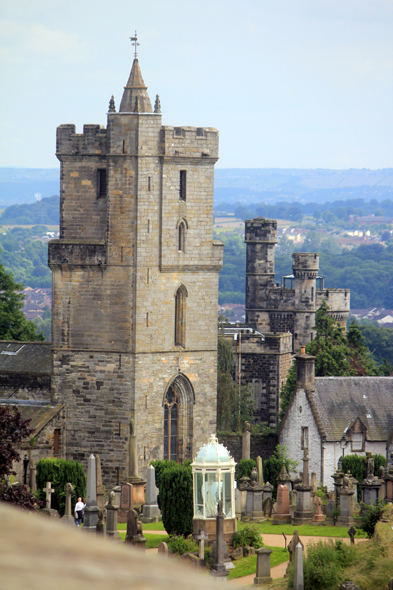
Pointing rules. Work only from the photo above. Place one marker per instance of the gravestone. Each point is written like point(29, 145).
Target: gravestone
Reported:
point(68, 517)
point(246, 441)
point(293, 543)
point(132, 528)
point(163, 548)
point(99, 486)
point(201, 538)
point(267, 491)
point(352, 533)
point(219, 569)
point(348, 586)
point(260, 470)
point(263, 574)
point(318, 517)
point(284, 478)
point(298, 578)
point(330, 506)
point(282, 515)
point(314, 482)
point(33, 477)
point(390, 584)
point(267, 508)
point(254, 497)
point(303, 513)
point(111, 518)
point(346, 503)
point(126, 501)
point(48, 493)
point(138, 490)
point(151, 512)
point(100, 526)
point(91, 509)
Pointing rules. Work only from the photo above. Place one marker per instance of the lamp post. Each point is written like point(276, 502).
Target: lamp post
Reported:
point(25, 464)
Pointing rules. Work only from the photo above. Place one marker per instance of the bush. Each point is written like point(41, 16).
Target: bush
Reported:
point(180, 545)
point(176, 500)
point(323, 565)
point(244, 468)
point(159, 467)
point(59, 472)
point(19, 495)
point(370, 515)
point(247, 537)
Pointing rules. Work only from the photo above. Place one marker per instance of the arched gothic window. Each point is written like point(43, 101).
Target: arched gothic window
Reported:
point(178, 403)
point(180, 316)
point(171, 425)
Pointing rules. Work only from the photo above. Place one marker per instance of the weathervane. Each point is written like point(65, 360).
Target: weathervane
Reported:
point(134, 42)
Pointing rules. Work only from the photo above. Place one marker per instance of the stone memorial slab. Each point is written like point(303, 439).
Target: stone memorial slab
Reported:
point(68, 517)
point(282, 514)
point(263, 574)
point(91, 509)
point(151, 512)
point(298, 579)
point(318, 517)
point(163, 548)
point(111, 518)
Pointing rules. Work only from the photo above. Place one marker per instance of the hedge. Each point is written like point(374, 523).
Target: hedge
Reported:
point(59, 472)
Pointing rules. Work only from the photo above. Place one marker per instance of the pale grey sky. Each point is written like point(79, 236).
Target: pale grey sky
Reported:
point(288, 83)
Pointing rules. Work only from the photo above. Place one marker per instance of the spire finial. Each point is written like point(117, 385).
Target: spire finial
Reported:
point(112, 108)
point(157, 105)
point(134, 42)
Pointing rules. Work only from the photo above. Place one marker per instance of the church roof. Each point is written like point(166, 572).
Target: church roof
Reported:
point(25, 357)
point(39, 412)
point(338, 401)
point(134, 89)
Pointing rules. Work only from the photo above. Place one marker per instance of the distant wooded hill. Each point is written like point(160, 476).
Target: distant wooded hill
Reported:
point(44, 212)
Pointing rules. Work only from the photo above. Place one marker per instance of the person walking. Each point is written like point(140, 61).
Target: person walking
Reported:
point(79, 506)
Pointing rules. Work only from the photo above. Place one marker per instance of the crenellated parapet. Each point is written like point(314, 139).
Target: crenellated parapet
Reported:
point(305, 265)
point(92, 141)
point(189, 142)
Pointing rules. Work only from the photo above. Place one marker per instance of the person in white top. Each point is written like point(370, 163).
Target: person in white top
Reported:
point(79, 506)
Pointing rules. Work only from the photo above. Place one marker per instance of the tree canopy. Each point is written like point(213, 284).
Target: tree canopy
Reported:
point(13, 323)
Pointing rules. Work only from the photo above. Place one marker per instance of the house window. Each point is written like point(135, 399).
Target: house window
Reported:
point(180, 316)
point(357, 441)
point(183, 185)
point(171, 425)
point(101, 182)
point(182, 237)
point(304, 439)
point(56, 442)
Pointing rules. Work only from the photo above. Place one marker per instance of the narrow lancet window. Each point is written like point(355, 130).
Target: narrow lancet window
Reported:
point(182, 237)
point(101, 182)
point(180, 316)
point(183, 185)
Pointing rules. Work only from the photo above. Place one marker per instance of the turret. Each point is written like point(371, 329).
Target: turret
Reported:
point(305, 269)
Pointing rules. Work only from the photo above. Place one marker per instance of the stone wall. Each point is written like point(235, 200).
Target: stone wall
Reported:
point(259, 445)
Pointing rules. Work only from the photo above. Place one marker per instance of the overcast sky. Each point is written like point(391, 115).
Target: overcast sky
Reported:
point(288, 83)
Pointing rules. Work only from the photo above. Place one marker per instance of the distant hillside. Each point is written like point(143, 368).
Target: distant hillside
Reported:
point(44, 212)
point(27, 185)
point(254, 185)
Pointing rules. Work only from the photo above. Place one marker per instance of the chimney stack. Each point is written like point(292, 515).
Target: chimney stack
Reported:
point(305, 370)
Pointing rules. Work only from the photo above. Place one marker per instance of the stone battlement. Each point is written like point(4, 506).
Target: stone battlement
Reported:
point(92, 141)
point(261, 230)
point(189, 142)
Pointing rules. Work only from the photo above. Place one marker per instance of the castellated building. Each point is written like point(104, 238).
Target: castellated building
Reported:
point(135, 288)
point(279, 318)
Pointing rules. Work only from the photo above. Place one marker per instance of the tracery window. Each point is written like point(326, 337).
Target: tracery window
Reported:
point(171, 425)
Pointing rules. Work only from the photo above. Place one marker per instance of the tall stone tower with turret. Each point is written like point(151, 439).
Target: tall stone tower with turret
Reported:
point(135, 285)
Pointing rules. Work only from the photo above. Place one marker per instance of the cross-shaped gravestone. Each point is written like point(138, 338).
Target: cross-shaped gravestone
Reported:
point(48, 491)
point(201, 538)
point(68, 488)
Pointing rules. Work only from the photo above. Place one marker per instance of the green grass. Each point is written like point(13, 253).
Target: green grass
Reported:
point(248, 565)
point(305, 529)
point(152, 541)
point(148, 526)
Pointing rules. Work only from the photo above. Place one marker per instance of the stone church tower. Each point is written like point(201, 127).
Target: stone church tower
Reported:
point(135, 285)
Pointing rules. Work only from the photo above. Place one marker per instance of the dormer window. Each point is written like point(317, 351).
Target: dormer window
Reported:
point(357, 441)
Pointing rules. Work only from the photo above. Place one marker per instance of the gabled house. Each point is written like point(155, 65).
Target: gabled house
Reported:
point(333, 416)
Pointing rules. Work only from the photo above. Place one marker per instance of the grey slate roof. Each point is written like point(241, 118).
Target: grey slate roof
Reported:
point(25, 357)
point(338, 401)
point(39, 412)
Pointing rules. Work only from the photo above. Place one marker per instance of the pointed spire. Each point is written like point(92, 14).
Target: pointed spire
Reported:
point(135, 87)
point(112, 107)
point(157, 105)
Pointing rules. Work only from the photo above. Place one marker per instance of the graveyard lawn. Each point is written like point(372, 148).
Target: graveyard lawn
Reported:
point(152, 541)
point(248, 565)
point(147, 526)
point(267, 527)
